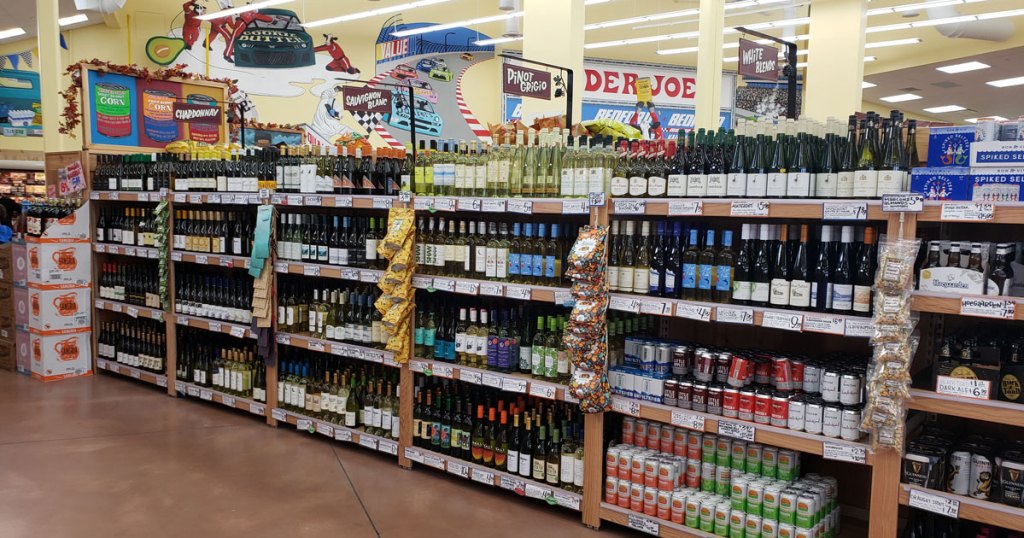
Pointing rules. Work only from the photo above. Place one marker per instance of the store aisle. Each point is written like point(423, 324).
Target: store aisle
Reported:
point(108, 457)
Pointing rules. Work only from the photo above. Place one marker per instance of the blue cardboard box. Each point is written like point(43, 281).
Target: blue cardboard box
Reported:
point(952, 183)
point(949, 146)
point(998, 154)
point(996, 184)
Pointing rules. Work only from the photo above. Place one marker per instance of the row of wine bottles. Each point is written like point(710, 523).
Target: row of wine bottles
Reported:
point(135, 283)
point(228, 365)
point(217, 295)
point(321, 309)
point(531, 437)
point(132, 225)
point(133, 172)
point(337, 240)
point(139, 343)
point(213, 232)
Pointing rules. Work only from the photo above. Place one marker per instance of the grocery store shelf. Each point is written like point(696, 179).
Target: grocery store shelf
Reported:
point(970, 508)
point(222, 260)
point(1002, 212)
point(336, 432)
point(210, 395)
point(492, 477)
point(509, 382)
point(995, 411)
point(125, 250)
point(945, 303)
point(838, 449)
point(490, 288)
point(523, 206)
point(234, 329)
point(356, 201)
point(131, 310)
point(371, 276)
point(771, 208)
point(647, 524)
point(342, 349)
point(234, 198)
point(127, 196)
point(789, 320)
point(159, 380)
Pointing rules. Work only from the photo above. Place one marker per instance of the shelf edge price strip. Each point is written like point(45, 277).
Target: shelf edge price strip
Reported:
point(938, 504)
point(843, 452)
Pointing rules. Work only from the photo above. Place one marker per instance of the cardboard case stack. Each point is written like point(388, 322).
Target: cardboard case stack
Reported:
point(59, 299)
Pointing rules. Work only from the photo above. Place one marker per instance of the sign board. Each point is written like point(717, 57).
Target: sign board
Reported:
point(197, 113)
point(366, 99)
point(519, 80)
point(758, 61)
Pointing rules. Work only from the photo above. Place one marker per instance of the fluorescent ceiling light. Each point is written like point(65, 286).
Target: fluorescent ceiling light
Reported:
point(74, 19)
point(801, 65)
point(901, 98)
point(870, 58)
point(975, 120)
point(962, 68)
point(685, 35)
point(373, 12)
point(731, 59)
point(241, 9)
point(595, 2)
point(893, 43)
point(456, 24)
point(865, 85)
point(944, 109)
point(1003, 83)
point(644, 18)
point(497, 40)
point(947, 20)
point(11, 32)
point(918, 5)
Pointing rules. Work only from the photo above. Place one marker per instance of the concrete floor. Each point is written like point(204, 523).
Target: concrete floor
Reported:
point(109, 457)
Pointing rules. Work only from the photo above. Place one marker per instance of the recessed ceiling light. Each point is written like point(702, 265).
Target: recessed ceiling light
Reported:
point(944, 109)
point(11, 32)
point(892, 43)
point(865, 84)
point(1002, 83)
point(74, 19)
point(901, 98)
point(975, 120)
point(962, 68)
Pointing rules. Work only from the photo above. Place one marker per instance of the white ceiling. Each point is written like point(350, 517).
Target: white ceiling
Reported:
point(22, 13)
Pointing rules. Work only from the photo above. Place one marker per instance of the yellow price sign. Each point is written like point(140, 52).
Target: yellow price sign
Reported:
point(643, 90)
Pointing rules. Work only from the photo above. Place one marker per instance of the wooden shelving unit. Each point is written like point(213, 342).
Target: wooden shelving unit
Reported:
point(973, 509)
point(341, 349)
point(131, 310)
point(220, 260)
point(336, 432)
point(941, 303)
point(1002, 213)
point(207, 394)
point(146, 376)
point(995, 411)
point(768, 208)
point(508, 382)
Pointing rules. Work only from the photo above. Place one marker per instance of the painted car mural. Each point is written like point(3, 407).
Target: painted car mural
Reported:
point(275, 38)
point(403, 72)
point(428, 122)
point(423, 89)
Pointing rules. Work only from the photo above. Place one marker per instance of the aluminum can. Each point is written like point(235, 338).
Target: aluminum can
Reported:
point(832, 421)
point(795, 419)
point(625, 489)
point(849, 428)
point(830, 385)
point(960, 472)
point(704, 366)
point(625, 463)
point(611, 490)
point(636, 497)
point(788, 466)
point(670, 394)
point(693, 470)
point(722, 513)
point(677, 510)
point(780, 410)
point(730, 402)
point(740, 371)
point(684, 394)
point(628, 429)
point(694, 444)
point(812, 378)
point(640, 433)
point(667, 437)
point(723, 476)
point(650, 501)
point(781, 375)
point(738, 458)
point(769, 461)
point(850, 388)
point(666, 475)
point(611, 462)
point(652, 465)
point(754, 457)
point(707, 514)
point(762, 407)
point(636, 471)
point(806, 510)
point(746, 406)
point(813, 416)
point(769, 528)
point(692, 514)
point(663, 359)
point(787, 506)
point(981, 476)
point(664, 510)
point(723, 451)
point(753, 526)
point(699, 399)
point(722, 364)
point(681, 358)
point(707, 477)
point(738, 492)
point(770, 503)
point(708, 447)
point(714, 400)
point(755, 497)
point(787, 530)
point(653, 435)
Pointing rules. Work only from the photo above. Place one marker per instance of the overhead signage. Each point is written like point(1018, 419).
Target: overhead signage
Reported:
point(366, 99)
point(519, 80)
point(194, 113)
point(758, 61)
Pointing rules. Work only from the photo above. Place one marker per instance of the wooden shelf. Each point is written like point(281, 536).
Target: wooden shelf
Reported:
point(649, 524)
point(783, 319)
point(355, 201)
point(210, 395)
point(229, 198)
point(126, 250)
point(996, 411)
point(490, 288)
point(973, 509)
point(336, 432)
point(508, 382)
point(945, 303)
point(777, 208)
point(222, 260)
point(371, 276)
point(146, 376)
point(492, 477)
point(131, 310)
point(769, 435)
point(485, 205)
point(127, 196)
point(234, 329)
point(1004, 212)
point(342, 349)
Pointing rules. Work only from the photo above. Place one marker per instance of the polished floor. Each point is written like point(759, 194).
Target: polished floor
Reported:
point(109, 457)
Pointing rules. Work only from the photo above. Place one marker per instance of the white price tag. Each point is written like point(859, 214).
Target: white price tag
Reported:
point(490, 380)
point(113, 195)
point(418, 366)
point(537, 492)
point(421, 282)
point(859, 328)
point(277, 199)
point(469, 376)
point(115, 367)
point(422, 204)
point(133, 312)
point(596, 199)
point(310, 270)
point(179, 197)
point(543, 391)
point(624, 304)
point(513, 484)
point(414, 455)
point(226, 262)
point(342, 435)
point(908, 202)
point(468, 288)
point(823, 323)
point(179, 386)
point(844, 211)
point(657, 308)
point(522, 293)
point(483, 477)
point(325, 429)
point(978, 389)
point(685, 208)
point(339, 349)
point(202, 258)
point(144, 196)
point(728, 314)
point(284, 339)
point(443, 371)
point(314, 345)
point(469, 204)
point(629, 207)
point(195, 198)
point(512, 384)
point(688, 420)
point(129, 251)
point(350, 274)
point(214, 326)
point(843, 452)
point(444, 284)
point(228, 400)
point(94, 195)
point(237, 331)
point(405, 196)
point(458, 469)
point(257, 409)
point(382, 202)
point(693, 311)
point(644, 525)
point(567, 500)
point(783, 320)
point(431, 460)
point(388, 446)
point(213, 198)
point(205, 394)
point(152, 253)
point(967, 211)
point(161, 381)
point(293, 199)
point(938, 504)
point(176, 256)
point(305, 425)
point(312, 201)
point(493, 205)
point(626, 406)
point(444, 204)
point(737, 430)
point(135, 374)
point(101, 248)
point(575, 207)
point(564, 298)
point(279, 414)
point(988, 308)
point(342, 201)
point(749, 208)
point(524, 207)
point(370, 277)
point(490, 289)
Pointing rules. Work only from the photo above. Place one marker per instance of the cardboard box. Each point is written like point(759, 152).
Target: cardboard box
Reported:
point(61, 356)
point(54, 264)
point(23, 356)
point(8, 360)
point(952, 183)
point(72, 227)
point(21, 307)
point(997, 154)
point(949, 146)
point(996, 184)
point(19, 253)
point(59, 309)
point(7, 311)
point(7, 263)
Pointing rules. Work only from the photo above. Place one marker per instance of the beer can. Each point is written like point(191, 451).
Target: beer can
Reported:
point(753, 526)
point(663, 359)
point(640, 433)
point(625, 463)
point(679, 441)
point(787, 506)
point(812, 416)
point(684, 394)
point(723, 451)
point(781, 376)
point(850, 388)
point(670, 393)
point(647, 357)
point(623, 492)
point(762, 407)
point(611, 490)
point(628, 428)
point(722, 363)
point(769, 461)
point(636, 497)
point(738, 459)
point(746, 404)
point(787, 530)
point(707, 477)
point(804, 533)
point(795, 419)
point(653, 435)
point(737, 522)
point(722, 513)
point(740, 372)
point(667, 437)
point(832, 495)
point(704, 367)
point(788, 466)
point(738, 492)
point(611, 462)
point(754, 455)
point(959, 472)
point(692, 515)
point(849, 428)
point(679, 471)
point(707, 514)
point(806, 510)
point(699, 397)
point(763, 370)
point(666, 475)
point(755, 497)
point(677, 510)
point(650, 501)
point(830, 385)
point(769, 528)
point(812, 378)
point(636, 471)
point(770, 501)
point(694, 444)
point(714, 400)
point(681, 360)
point(780, 410)
point(708, 447)
point(723, 476)
point(832, 420)
point(664, 510)
point(981, 476)
point(652, 467)
point(693, 470)
point(730, 402)
point(796, 372)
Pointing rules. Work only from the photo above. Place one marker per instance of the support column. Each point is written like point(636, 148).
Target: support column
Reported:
point(50, 68)
point(553, 33)
point(835, 58)
point(709, 63)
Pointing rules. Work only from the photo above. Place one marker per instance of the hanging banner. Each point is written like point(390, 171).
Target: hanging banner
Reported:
point(366, 99)
point(671, 86)
point(196, 113)
point(758, 61)
point(519, 80)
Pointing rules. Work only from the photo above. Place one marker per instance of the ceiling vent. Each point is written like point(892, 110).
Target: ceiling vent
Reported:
point(989, 30)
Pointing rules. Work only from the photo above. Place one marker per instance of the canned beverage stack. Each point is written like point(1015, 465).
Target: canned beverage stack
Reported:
point(822, 397)
point(719, 485)
point(976, 466)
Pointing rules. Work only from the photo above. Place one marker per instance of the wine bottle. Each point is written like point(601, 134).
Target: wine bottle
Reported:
point(760, 284)
point(842, 274)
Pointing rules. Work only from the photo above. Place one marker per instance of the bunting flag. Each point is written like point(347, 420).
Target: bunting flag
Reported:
point(13, 60)
point(63, 44)
point(26, 56)
point(3, 62)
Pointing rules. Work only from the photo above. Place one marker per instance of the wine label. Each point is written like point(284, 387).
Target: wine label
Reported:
point(844, 185)
point(620, 186)
point(779, 292)
point(717, 185)
point(676, 186)
point(696, 185)
point(865, 183)
point(798, 184)
point(757, 185)
point(595, 181)
point(566, 183)
point(741, 290)
point(637, 186)
point(656, 186)
point(800, 293)
point(579, 184)
point(861, 298)
point(890, 181)
point(842, 297)
point(759, 292)
point(777, 184)
point(737, 185)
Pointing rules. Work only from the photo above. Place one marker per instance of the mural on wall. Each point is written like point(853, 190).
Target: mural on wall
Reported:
point(20, 100)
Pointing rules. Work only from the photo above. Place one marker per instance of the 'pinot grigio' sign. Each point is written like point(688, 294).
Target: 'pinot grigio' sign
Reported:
point(758, 61)
point(366, 99)
point(194, 113)
point(518, 80)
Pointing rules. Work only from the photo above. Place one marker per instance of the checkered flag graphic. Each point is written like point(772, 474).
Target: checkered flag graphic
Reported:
point(367, 120)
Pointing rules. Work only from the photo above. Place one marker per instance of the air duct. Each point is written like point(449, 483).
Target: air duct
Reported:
point(508, 5)
point(513, 27)
point(988, 30)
